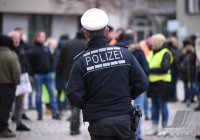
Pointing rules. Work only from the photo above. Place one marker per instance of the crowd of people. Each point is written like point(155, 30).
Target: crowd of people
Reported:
point(49, 62)
point(164, 62)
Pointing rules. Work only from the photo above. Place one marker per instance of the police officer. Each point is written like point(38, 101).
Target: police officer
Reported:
point(103, 81)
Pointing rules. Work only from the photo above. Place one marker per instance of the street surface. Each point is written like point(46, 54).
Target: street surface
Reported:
point(49, 129)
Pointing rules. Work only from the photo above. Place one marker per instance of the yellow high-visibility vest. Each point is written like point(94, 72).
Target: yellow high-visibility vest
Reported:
point(155, 61)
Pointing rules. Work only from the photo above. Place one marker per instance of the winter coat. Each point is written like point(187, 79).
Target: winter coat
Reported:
point(104, 79)
point(40, 58)
point(9, 67)
point(139, 55)
point(23, 59)
point(66, 57)
point(187, 66)
point(175, 65)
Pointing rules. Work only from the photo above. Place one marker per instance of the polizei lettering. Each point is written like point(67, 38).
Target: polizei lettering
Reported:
point(103, 57)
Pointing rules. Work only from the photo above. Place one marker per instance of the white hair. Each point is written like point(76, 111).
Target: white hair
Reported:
point(14, 33)
point(158, 40)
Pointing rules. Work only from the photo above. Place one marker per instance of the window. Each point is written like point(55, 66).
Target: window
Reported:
point(142, 25)
point(39, 23)
point(193, 6)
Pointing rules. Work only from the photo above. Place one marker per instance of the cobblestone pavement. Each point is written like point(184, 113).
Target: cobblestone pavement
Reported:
point(49, 129)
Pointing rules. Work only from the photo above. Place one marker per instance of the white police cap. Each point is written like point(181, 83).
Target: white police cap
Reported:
point(94, 19)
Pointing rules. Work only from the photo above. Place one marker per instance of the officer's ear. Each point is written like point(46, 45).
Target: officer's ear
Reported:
point(86, 33)
point(106, 31)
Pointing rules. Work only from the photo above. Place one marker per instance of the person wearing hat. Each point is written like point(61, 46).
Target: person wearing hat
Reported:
point(103, 81)
point(188, 71)
point(9, 78)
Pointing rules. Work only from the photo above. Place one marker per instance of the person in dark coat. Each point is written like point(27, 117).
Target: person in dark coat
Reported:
point(172, 46)
point(65, 61)
point(26, 46)
point(135, 48)
point(41, 61)
point(24, 64)
point(59, 79)
point(103, 81)
point(61, 43)
point(188, 71)
point(9, 78)
point(197, 50)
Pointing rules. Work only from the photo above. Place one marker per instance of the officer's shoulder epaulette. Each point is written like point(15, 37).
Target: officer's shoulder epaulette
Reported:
point(78, 55)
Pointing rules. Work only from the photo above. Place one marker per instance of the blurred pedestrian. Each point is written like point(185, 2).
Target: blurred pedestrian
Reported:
point(135, 48)
point(103, 81)
point(160, 60)
point(23, 38)
point(24, 65)
point(61, 43)
point(173, 47)
point(119, 34)
point(146, 45)
point(42, 63)
point(62, 100)
point(65, 62)
point(111, 36)
point(9, 79)
point(188, 71)
point(51, 43)
point(120, 38)
point(60, 87)
point(197, 48)
point(24, 45)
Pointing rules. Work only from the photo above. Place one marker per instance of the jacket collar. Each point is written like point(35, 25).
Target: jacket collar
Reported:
point(99, 41)
point(155, 51)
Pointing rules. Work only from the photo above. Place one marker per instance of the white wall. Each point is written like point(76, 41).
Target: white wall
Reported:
point(191, 22)
point(10, 21)
point(43, 6)
point(64, 24)
point(119, 19)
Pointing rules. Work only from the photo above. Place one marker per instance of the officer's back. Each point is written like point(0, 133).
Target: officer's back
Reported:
point(103, 81)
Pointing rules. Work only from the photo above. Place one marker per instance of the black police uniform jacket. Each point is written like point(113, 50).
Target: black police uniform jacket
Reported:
point(104, 79)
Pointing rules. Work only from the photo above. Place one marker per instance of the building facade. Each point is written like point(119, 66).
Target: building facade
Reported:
point(188, 17)
point(58, 17)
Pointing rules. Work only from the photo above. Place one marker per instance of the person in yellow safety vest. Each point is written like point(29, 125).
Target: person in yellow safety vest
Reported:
point(160, 60)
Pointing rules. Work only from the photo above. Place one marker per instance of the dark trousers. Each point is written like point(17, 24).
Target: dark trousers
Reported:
point(75, 120)
point(18, 109)
point(60, 86)
point(173, 89)
point(62, 104)
point(112, 128)
point(190, 90)
point(7, 96)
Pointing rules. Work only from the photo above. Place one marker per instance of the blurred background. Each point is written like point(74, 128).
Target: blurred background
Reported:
point(56, 17)
point(59, 22)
